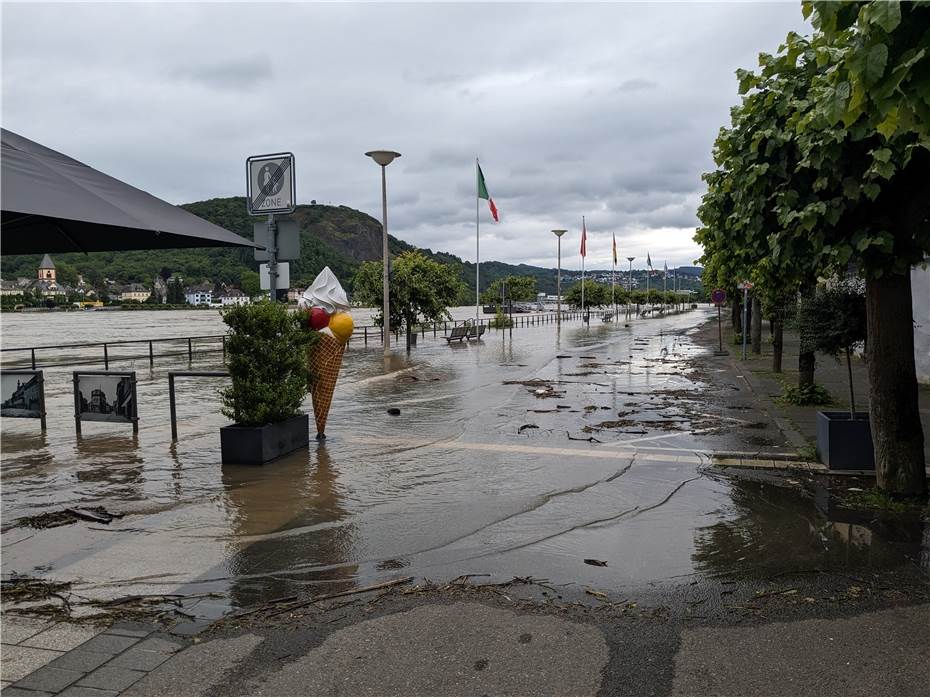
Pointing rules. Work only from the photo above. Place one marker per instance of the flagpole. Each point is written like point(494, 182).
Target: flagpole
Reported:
point(585, 244)
point(477, 252)
point(648, 270)
point(665, 286)
point(613, 283)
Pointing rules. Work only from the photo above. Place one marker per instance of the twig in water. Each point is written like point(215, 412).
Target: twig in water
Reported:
point(377, 586)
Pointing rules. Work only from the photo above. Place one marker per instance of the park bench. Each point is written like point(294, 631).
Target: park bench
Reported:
point(458, 334)
point(475, 332)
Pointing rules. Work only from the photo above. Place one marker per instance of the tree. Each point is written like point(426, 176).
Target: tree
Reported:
point(515, 288)
point(595, 294)
point(421, 290)
point(757, 160)
point(827, 168)
point(250, 283)
point(868, 129)
point(175, 294)
point(833, 322)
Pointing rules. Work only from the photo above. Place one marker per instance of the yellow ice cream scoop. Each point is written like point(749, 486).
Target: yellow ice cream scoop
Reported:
point(341, 325)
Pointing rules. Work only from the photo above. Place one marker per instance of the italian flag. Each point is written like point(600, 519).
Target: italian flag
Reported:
point(483, 193)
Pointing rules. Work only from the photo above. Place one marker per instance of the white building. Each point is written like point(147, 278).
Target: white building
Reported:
point(233, 296)
point(199, 295)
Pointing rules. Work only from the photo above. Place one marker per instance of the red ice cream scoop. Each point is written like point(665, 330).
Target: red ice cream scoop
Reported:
point(319, 318)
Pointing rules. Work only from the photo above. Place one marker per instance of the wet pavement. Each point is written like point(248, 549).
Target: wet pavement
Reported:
point(519, 456)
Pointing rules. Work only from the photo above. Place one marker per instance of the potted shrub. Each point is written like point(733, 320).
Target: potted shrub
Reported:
point(833, 322)
point(267, 356)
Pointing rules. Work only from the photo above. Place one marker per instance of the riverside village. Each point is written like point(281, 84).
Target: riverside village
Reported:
point(449, 350)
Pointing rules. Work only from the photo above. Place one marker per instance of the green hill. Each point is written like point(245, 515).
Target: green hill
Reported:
point(334, 236)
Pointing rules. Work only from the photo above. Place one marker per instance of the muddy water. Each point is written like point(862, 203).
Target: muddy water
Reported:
point(523, 454)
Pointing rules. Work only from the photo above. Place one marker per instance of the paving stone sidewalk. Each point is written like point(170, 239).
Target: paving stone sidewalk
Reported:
point(41, 658)
point(800, 423)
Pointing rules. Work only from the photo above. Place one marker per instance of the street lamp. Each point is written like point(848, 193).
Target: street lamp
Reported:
point(558, 279)
point(629, 290)
point(384, 158)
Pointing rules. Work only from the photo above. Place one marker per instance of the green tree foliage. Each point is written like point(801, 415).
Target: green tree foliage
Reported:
point(421, 289)
point(827, 165)
point(595, 294)
point(267, 359)
point(250, 283)
point(516, 288)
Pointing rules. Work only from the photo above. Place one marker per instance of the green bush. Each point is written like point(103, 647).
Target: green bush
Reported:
point(267, 351)
point(808, 395)
point(500, 321)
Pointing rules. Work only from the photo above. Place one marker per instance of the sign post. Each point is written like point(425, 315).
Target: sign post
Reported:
point(745, 286)
point(719, 297)
point(270, 187)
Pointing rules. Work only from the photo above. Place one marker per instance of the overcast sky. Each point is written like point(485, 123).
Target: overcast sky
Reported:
point(607, 111)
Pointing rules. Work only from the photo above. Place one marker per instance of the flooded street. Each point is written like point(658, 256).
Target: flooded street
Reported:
point(524, 454)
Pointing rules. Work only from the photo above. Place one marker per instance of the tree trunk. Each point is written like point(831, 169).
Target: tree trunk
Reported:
point(736, 316)
point(806, 359)
point(756, 326)
point(894, 414)
point(778, 336)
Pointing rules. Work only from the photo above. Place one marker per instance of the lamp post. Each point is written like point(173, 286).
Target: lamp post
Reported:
point(558, 279)
point(383, 158)
point(629, 290)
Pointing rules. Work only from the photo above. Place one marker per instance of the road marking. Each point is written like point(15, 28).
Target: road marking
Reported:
point(597, 453)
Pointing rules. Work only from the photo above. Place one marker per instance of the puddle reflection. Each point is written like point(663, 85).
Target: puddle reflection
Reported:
point(771, 530)
point(286, 516)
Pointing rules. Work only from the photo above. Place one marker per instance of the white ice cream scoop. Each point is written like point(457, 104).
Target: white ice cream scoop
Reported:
point(326, 292)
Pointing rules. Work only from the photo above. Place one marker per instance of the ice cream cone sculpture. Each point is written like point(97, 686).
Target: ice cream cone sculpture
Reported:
point(328, 305)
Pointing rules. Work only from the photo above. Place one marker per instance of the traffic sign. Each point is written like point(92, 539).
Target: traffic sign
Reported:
point(745, 285)
point(284, 276)
point(718, 296)
point(288, 239)
point(270, 184)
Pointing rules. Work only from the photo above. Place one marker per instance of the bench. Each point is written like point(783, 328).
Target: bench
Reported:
point(475, 332)
point(458, 334)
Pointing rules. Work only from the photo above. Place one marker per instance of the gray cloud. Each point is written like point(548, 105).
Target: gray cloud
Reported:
point(236, 74)
point(635, 84)
point(602, 110)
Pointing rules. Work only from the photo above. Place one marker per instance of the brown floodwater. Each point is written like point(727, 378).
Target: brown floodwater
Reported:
point(519, 455)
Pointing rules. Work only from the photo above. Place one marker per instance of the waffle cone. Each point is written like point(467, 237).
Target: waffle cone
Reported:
point(324, 361)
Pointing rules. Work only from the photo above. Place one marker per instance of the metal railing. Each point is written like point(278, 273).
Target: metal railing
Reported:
point(216, 343)
point(107, 345)
point(424, 328)
point(171, 401)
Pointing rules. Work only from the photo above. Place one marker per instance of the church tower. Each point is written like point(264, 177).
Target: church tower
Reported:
point(46, 269)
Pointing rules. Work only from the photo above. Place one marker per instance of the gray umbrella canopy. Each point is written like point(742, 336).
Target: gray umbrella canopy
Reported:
point(53, 203)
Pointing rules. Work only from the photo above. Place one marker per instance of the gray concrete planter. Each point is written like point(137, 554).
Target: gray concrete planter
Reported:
point(844, 443)
point(256, 445)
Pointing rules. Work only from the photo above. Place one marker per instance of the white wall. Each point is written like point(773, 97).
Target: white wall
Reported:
point(920, 292)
